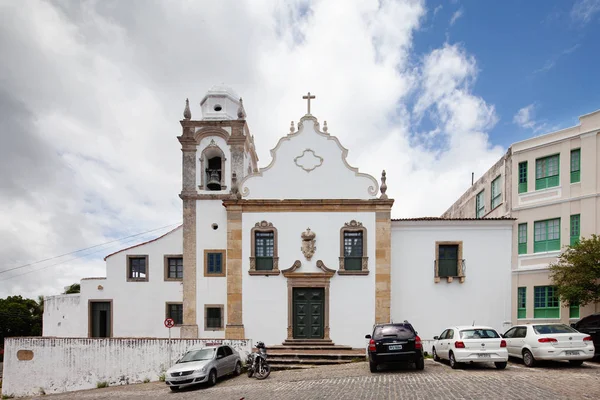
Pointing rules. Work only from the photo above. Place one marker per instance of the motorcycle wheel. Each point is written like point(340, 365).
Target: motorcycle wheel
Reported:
point(263, 372)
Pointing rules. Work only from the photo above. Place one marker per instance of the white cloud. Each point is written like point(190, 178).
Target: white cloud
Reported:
point(437, 10)
point(455, 16)
point(95, 91)
point(525, 118)
point(583, 11)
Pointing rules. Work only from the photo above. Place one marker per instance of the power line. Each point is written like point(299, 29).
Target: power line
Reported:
point(62, 262)
point(87, 248)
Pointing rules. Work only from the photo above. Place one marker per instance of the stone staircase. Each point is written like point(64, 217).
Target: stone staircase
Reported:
point(296, 354)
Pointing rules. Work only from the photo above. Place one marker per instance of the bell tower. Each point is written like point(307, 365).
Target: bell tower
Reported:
point(217, 153)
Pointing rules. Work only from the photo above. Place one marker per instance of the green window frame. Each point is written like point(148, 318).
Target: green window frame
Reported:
point(522, 232)
point(448, 260)
point(546, 235)
point(547, 172)
point(523, 177)
point(574, 311)
point(575, 165)
point(546, 302)
point(264, 248)
point(496, 193)
point(479, 205)
point(522, 303)
point(575, 229)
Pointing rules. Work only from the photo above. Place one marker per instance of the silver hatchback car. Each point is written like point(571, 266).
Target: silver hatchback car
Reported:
point(203, 364)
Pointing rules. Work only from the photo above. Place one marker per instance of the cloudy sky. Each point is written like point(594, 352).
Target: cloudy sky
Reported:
point(91, 93)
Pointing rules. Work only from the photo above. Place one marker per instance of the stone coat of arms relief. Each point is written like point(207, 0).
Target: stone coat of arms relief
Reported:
point(308, 243)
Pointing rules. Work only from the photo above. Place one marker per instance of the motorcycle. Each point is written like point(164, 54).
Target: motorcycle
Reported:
point(257, 362)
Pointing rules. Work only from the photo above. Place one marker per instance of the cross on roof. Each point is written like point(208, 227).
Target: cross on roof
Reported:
point(308, 97)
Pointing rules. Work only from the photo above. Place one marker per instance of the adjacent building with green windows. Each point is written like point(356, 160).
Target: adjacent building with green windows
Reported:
point(550, 184)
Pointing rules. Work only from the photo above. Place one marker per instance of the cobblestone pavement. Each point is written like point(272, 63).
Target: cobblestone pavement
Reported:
point(354, 381)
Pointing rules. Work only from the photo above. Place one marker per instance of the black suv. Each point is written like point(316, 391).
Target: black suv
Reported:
point(395, 343)
point(590, 325)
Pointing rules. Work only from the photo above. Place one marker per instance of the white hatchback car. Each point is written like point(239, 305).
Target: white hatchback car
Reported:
point(533, 342)
point(461, 344)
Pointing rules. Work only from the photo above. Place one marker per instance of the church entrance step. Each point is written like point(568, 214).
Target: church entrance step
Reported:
point(311, 361)
point(308, 342)
point(281, 356)
point(311, 348)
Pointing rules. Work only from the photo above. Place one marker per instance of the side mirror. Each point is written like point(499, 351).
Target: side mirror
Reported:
point(436, 337)
point(367, 336)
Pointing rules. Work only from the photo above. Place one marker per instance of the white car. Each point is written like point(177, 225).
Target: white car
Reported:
point(203, 364)
point(533, 342)
point(462, 344)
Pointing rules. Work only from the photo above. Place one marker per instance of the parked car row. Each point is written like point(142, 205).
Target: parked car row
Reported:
point(400, 343)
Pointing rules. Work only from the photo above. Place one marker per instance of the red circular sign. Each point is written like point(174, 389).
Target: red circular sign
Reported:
point(169, 323)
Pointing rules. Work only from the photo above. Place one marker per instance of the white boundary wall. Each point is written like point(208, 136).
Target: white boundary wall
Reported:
point(66, 364)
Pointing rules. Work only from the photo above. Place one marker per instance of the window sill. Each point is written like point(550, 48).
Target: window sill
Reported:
point(173, 279)
point(265, 272)
point(345, 272)
point(450, 279)
point(136, 280)
point(223, 275)
point(214, 329)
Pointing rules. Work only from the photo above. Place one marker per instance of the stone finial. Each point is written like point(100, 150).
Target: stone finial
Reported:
point(241, 113)
point(292, 129)
point(187, 114)
point(383, 186)
point(325, 128)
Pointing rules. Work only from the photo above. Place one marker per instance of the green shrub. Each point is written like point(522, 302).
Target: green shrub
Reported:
point(101, 385)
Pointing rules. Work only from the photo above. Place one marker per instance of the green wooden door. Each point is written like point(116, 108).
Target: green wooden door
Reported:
point(308, 305)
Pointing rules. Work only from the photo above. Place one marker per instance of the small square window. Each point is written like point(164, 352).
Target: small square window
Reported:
point(175, 311)
point(214, 263)
point(175, 267)
point(137, 268)
point(213, 317)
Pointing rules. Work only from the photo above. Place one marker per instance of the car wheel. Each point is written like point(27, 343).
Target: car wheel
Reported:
point(528, 359)
point(435, 355)
point(238, 369)
point(373, 366)
point(212, 378)
point(420, 364)
point(501, 365)
point(453, 363)
point(576, 363)
point(174, 388)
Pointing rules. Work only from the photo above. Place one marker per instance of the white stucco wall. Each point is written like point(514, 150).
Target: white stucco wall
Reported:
point(62, 365)
point(265, 298)
point(138, 308)
point(210, 290)
point(484, 297)
point(62, 316)
point(284, 179)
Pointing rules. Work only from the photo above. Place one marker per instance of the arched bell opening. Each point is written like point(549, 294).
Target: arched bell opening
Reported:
point(213, 173)
point(213, 166)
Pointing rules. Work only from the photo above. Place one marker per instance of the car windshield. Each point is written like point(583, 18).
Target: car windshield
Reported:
point(548, 329)
point(479, 334)
point(198, 355)
point(393, 331)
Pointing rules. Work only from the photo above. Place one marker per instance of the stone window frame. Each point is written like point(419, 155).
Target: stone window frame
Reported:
point(460, 268)
point(128, 266)
point(354, 226)
point(212, 146)
point(166, 262)
point(263, 226)
point(223, 262)
point(222, 307)
point(167, 315)
point(90, 301)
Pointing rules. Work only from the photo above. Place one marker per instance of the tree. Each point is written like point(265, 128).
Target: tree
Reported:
point(74, 288)
point(19, 317)
point(576, 273)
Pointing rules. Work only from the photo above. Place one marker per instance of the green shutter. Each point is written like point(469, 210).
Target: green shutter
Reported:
point(522, 303)
point(448, 260)
point(523, 177)
point(547, 172)
point(522, 239)
point(575, 229)
point(546, 235)
point(575, 165)
point(574, 311)
point(479, 205)
point(546, 303)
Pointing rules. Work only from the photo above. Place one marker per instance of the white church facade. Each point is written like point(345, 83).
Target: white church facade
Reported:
point(302, 250)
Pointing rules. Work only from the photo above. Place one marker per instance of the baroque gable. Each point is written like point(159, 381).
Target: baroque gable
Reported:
point(309, 163)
